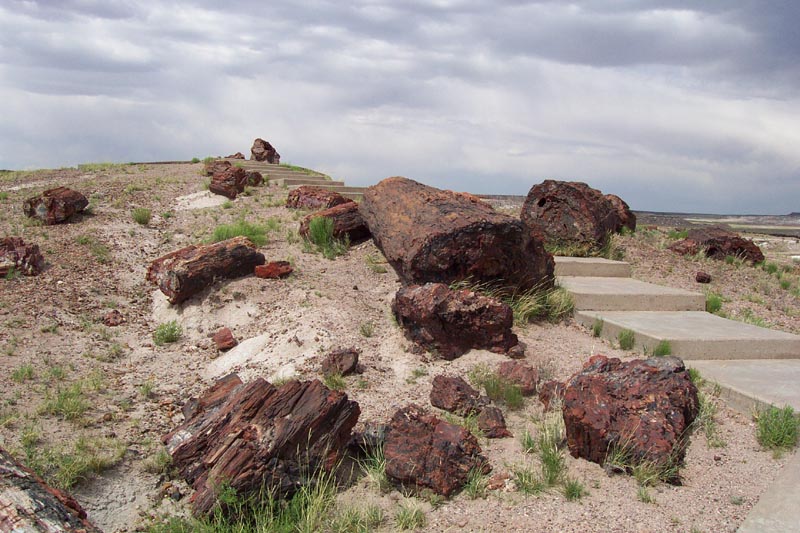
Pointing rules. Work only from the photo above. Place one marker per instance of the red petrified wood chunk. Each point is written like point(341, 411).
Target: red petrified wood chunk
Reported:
point(344, 362)
point(55, 206)
point(274, 270)
point(224, 340)
point(312, 197)
point(17, 256)
point(454, 395)
point(523, 375)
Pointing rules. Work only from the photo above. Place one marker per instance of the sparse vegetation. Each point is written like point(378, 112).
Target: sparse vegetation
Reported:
point(409, 516)
point(335, 382)
point(626, 339)
point(167, 332)
point(597, 327)
point(367, 329)
point(69, 402)
point(537, 303)
point(495, 387)
point(777, 428)
point(662, 348)
point(256, 233)
point(22, 373)
point(713, 302)
point(573, 490)
point(320, 235)
point(476, 485)
point(141, 216)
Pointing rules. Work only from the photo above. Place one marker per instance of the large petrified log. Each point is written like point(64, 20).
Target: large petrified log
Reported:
point(264, 151)
point(55, 206)
point(256, 435)
point(571, 212)
point(643, 407)
point(228, 182)
point(185, 272)
point(212, 166)
point(452, 322)
point(428, 234)
point(347, 222)
point(28, 504)
point(313, 197)
point(17, 256)
point(718, 243)
point(423, 451)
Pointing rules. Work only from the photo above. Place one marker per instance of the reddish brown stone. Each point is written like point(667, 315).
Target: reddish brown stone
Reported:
point(685, 247)
point(571, 212)
point(719, 243)
point(343, 362)
point(313, 197)
point(498, 481)
point(520, 374)
point(274, 270)
point(113, 318)
point(702, 277)
point(452, 322)
point(493, 424)
point(549, 392)
point(431, 235)
point(254, 178)
point(423, 451)
point(347, 222)
point(228, 182)
point(626, 217)
point(215, 166)
point(264, 151)
point(55, 206)
point(237, 155)
point(224, 340)
point(255, 437)
point(644, 406)
point(185, 272)
point(17, 256)
point(454, 395)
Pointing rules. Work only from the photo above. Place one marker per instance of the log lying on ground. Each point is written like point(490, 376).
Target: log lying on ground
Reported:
point(28, 504)
point(428, 234)
point(17, 256)
point(185, 272)
point(313, 197)
point(228, 182)
point(253, 435)
point(347, 222)
point(55, 206)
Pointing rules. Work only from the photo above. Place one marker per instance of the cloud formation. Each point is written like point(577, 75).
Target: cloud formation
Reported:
point(671, 105)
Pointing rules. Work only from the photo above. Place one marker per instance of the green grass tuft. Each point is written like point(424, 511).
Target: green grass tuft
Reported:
point(495, 387)
point(167, 332)
point(409, 516)
point(662, 348)
point(713, 302)
point(777, 429)
point(597, 327)
point(626, 339)
point(141, 216)
point(256, 233)
point(320, 235)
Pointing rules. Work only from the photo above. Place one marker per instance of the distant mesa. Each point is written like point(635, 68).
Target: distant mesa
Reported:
point(794, 214)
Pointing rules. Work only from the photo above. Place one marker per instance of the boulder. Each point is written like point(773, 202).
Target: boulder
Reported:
point(55, 206)
point(451, 322)
point(185, 272)
point(312, 197)
point(343, 362)
point(17, 256)
point(113, 318)
point(228, 182)
point(213, 166)
point(431, 235)
point(572, 213)
point(493, 424)
point(626, 217)
point(257, 436)
point(254, 178)
point(347, 222)
point(264, 151)
point(521, 374)
point(224, 340)
point(274, 270)
point(237, 155)
point(423, 451)
point(454, 395)
point(718, 243)
point(702, 277)
point(642, 406)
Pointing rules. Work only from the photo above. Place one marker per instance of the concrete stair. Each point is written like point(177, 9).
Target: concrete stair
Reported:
point(627, 294)
point(592, 267)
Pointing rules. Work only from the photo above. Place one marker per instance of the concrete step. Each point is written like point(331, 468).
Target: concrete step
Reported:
point(626, 294)
point(777, 510)
point(591, 266)
point(695, 334)
point(298, 181)
point(338, 188)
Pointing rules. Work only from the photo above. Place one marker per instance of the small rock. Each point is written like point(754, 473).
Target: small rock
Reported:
point(493, 424)
point(498, 481)
point(224, 340)
point(55, 206)
point(702, 277)
point(454, 395)
point(273, 270)
point(520, 374)
point(342, 362)
point(113, 318)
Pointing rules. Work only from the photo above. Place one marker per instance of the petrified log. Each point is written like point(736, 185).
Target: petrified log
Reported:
point(626, 216)
point(455, 395)
point(347, 222)
point(28, 504)
point(423, 451)
point(185, 272)
point(20, 257)
point(264, 151)
point(520, 374)
point(312, 197)
point(228, 182)
point(571, 212)
point(253, 435)
point(718, 243)
point(452, 322)
point(428, 234)
point(643, 407)
point(213, 166)
point(55, 206)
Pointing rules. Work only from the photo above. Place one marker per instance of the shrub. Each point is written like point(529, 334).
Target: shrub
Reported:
point(167, 332)
point(676, 234)
point(777, 428)
point(142, 216)
point(573, 490)
point(367, 329)
point(713, 302)
point(597, 327)
point(662, 348)
point(256, 233)
point(320, 234)
point(626, 339)
point(195, 160)
point(335, 382)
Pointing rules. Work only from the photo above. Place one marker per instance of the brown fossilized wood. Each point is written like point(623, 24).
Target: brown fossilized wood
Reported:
point(347, 222)
point(185, 272)
point(55, 206)
point(429, 234)
point(28, 504)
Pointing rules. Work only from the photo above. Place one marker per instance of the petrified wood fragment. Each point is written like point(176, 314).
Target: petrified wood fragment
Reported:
point(313, 197)
point(20, 257)
point(213, 166)
point(55, 206)
point(347, 222)
point(455, 395)
point(228, 182)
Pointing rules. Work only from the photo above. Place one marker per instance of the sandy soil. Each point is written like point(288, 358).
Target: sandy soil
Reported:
point(135, 389)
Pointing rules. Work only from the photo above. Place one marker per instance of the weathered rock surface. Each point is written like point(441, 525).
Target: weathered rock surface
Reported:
point(185, 272)
point(312, 197)
point(645, 406)
point(254, 178)
point(493, 424)
point(521, 374)
point(214, 166)
point(343, 361)
point(28, 504)
point(228, 182)
point(264, 151)
point(252, 434)
point(431, 235)
point(455, 395)
point(55, 206)
point(571, 212)
point(274, 270)
point(224, 339)
point(702, 277)
point(452, 322)
point(113, 318)
point(626, 216)
point(423, 451)
point(20, 257)
point(347, 222)
point(718, 243)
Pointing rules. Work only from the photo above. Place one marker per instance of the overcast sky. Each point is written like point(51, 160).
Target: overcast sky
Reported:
point(674, 105)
